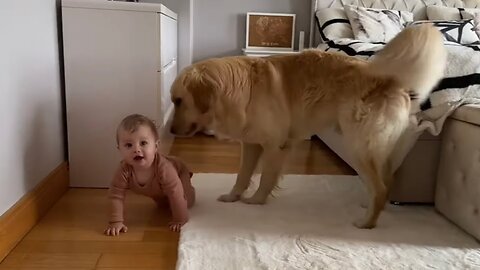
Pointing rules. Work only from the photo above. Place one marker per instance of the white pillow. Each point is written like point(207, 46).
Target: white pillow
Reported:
point(376, 25)
point(333, 24)
point(443, 13)
point(472, 13)
point(459, 31)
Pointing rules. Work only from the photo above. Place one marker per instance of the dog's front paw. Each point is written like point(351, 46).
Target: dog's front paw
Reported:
point(255, 200)
point(364, 223)
point(229, 198)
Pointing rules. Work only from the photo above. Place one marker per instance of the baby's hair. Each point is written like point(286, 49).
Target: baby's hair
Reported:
point(134, 121)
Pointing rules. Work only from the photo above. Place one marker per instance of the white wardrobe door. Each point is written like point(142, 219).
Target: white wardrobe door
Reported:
point(111, 63)
point(167, 77)
point(168, 40)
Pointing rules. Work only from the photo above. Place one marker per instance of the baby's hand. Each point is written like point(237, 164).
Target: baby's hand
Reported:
point(115, 228)
point(175, 226)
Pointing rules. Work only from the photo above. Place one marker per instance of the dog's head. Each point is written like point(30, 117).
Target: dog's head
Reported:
point(192, 94)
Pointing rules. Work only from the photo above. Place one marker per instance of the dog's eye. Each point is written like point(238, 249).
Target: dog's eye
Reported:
point(177, 101)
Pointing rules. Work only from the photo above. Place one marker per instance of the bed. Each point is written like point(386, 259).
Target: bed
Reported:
point(361, 28)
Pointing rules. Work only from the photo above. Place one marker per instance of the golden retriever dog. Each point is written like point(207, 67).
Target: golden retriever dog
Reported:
point(270, 103)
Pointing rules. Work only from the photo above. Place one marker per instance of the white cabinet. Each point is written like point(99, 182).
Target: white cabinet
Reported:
point(168, 51)
point(120, 58)
point(167, 76)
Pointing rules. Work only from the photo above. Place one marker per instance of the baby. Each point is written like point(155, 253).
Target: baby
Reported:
point(143, 170)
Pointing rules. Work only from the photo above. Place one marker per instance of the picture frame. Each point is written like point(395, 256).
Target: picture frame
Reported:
point(270, 31)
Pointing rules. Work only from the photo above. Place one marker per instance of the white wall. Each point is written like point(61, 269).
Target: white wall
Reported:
point(219, 25)
point(31, 133)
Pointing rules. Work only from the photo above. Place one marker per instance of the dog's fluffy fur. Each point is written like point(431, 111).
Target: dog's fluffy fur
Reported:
point(269, 103)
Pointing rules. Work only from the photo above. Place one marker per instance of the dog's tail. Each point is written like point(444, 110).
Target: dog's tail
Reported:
point(416, 58)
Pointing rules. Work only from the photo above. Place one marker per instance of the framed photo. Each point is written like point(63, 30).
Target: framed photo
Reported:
point(271, 31)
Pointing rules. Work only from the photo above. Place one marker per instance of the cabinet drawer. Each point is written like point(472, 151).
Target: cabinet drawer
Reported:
point(167, 77)
point(168, 40)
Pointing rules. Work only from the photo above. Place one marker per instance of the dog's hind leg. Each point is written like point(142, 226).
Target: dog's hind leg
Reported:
point(372, 176)
point(273, 159)
point(249, 160)
point(372, 160)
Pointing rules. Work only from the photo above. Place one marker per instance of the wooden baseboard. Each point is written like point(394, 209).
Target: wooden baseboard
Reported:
point(21, 217)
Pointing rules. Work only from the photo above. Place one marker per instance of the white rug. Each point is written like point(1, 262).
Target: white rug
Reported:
point(309, 226)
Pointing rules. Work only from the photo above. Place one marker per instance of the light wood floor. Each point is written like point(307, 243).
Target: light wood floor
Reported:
point(70, 235)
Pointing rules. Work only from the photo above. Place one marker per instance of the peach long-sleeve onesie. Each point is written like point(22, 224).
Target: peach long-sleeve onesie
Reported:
point(171, 181)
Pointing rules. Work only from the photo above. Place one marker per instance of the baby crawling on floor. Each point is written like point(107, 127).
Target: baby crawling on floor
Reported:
point(145, 171)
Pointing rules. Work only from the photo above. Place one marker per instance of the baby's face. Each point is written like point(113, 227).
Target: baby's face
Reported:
point(137, 148)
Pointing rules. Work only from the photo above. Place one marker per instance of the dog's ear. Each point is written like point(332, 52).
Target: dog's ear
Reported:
point(203, 88)
point(202, 94)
